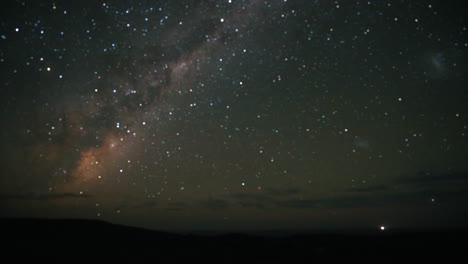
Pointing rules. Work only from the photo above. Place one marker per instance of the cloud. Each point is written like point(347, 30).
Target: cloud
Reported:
point(358, 201)
point(428, 178)
point(380, 199)
point(281, 192)
point(298, 203)
point(257, 205)
point(215, 204)
point(345, 201)
point(176, 206)
point(422, 189)
point(42, 197)
point(251, 197)
point(264, 199)
point(367, 189)
point(145, 205)
point(362, 144)
point(150, 204)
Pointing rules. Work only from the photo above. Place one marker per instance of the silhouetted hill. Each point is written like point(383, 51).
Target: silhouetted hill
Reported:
point(90, 240)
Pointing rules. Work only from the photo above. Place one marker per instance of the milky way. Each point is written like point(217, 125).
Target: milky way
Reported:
point(235, 114)
point(150, 95)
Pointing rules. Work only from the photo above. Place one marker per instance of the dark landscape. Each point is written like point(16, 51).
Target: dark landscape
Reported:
point(91, 240)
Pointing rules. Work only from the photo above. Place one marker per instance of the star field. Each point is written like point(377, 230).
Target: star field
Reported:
point(235, 114)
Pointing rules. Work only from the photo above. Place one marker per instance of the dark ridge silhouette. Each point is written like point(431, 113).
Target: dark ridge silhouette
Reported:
point(64, 241)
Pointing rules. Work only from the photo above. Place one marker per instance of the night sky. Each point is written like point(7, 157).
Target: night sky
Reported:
point(236, 114)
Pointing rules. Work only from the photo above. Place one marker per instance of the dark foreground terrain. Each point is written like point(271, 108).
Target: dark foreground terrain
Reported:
point(65, 241)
